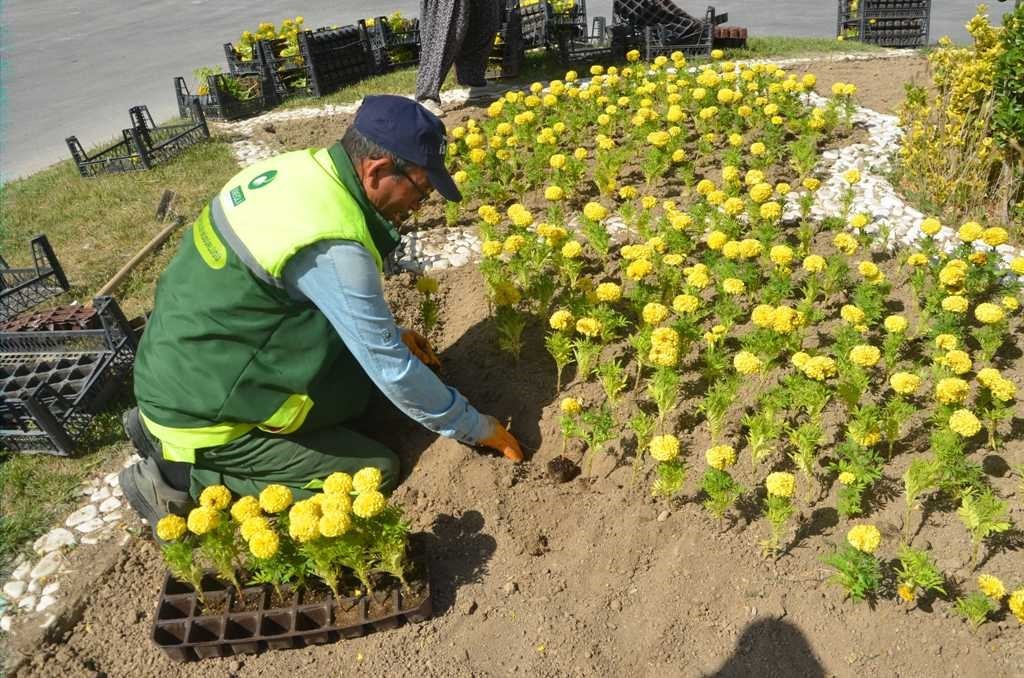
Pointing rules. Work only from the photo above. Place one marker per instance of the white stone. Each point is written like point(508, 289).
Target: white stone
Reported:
point(21, 571)
point(51, 588)
point(87, 512)
point(100, 494)
point(457, 260)
point(5, 623)
point(117, 492)
point(90, 525)
point(90, 540)
point(111, 479)
point(109, 504)
point(27, 603)
point(113, 517)
point(47, 566)
point(34, 586)
point(45, 602)
point(55, 539)
point(14, 589)
point(48, 621)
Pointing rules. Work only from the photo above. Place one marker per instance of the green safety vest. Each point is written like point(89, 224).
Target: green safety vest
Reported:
point(226, 349)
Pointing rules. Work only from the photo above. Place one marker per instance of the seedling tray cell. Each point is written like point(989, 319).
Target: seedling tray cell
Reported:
point(186, 630)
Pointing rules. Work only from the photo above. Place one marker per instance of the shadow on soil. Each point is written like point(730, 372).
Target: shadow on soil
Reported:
point(770, 648)
point(459, 552)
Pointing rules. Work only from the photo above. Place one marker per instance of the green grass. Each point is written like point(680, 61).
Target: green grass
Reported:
point(97, 224)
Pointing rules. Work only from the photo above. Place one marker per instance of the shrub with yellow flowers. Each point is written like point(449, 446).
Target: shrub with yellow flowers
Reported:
point(857, 569)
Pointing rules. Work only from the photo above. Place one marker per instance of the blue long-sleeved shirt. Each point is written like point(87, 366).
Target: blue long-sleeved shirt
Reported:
point(341, 278)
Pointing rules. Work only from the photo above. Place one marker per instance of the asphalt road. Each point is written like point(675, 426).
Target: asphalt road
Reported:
point(76, 66)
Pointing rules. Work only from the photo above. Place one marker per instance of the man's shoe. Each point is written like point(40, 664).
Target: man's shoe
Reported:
point(491, 90)
point(432, 106)
point(146, 445)
point(150, 495)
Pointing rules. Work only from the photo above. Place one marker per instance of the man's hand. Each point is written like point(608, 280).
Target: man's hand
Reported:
point(420, 347)
point(501, 440)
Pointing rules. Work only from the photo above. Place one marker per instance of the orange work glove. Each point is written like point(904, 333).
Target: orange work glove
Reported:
point(420, 347)
point(501, 440)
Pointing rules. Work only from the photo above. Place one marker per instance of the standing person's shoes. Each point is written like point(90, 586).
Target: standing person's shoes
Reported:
point(489, 90)
point(149, 494)
point(432, 106)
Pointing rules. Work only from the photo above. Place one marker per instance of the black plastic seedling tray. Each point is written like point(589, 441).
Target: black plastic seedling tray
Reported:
point(23, 288)
point(52, 384)
point(60, 319)
point(219, 103)
point(335, 57)
point(229, 623)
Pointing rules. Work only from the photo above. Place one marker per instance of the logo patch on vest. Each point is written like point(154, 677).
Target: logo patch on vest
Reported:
point(211, 249)
point(261, 180)
point(237, 197)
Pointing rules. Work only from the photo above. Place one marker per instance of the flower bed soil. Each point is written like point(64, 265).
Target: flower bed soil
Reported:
point(538, 575)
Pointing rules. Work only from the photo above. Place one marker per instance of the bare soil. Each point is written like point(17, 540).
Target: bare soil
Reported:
point(534, 576)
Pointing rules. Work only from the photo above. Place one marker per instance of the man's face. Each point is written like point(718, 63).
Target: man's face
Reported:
point(394, 193)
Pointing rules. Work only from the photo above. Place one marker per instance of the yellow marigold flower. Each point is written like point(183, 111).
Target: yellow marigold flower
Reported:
point(1003, 390)
point(705, 186)
point(820, 368)
point(554, 193)
point(264, 544)
point(698, 276)
point(945, 342)
point(638, 269)
point(658, 244)
point(633, 55)
point(594, 211)
point(303, 526)
point(895, 324)
point(733, 286)
point(811, 184)
point(763, 315)
point(366, 479)
point(814, 263)
point(1017, 604)
point(964, 422)
point(757, 148)
point(251, 526)
point(760, 192)
point(917, 259)
point(781, 255)
point(955, 304)
point(780, 484)
point(731, 173)
point(786, 319)
point(716, 239)
point(799, 359)
point(847, 478)
point(335, 503)
point(931, 226)
point(628, 192)
point(338, 482)
point(753, 177)
point(572, 249)
point(275, 498)
point(368, 504)
point(732, 250)
point(845, 243)
point(988, 313)
point(685, 303)
point(589, 327)
point(1010, 303)
point(335, 524)
point(906, 592)
point(733, 206)
point(958, 361)
point(746, 362)
point(770, 211)
point(865, 355)
point(653, 313)
point(663, 355)
point(658, 138)
point(852, 176)
point(859, 221)
point(970, 231)
point(1017, 265)
point(672, 259)
point(560, 320)
point(720, 457)
point(216, 497)
point(717, 54)
point(665, 336)
point(904, 383)
point(608, 292)
point(664, 448)
point(864, 538)
point(868, 269)
point(171, 527)
point(571, 406)
point(632, 252)
point(477, 156)
point(995, 236)
point(513, 243)
point(988, 376)
point(953, 273)
point(951, 390)
point(203, 519)
point(244, 508)
point(491, 248)
point(991, 587)
point(581, 154)
point(716, 197)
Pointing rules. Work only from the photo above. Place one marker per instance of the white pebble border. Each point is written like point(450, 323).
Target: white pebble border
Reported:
point(33, 586)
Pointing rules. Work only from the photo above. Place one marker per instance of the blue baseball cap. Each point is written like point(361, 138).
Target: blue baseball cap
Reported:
point(411, 132)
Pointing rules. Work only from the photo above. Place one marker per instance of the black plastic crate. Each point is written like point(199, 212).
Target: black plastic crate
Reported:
point(507, 55)
point(143, 145)
point(220, 103)
point(391, 47)
point(604, 44)
point(335, 57)
point(23, 288)
point(239, 65)
point(52, 384)
point(887, 23)
point(566, 22)
point(692, 39)
point(60, 319)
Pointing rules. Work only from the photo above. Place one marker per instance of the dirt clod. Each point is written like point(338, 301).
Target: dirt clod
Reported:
point(562, 469)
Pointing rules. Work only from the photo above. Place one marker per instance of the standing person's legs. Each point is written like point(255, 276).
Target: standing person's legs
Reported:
point(484, 20)
point(443, 25)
